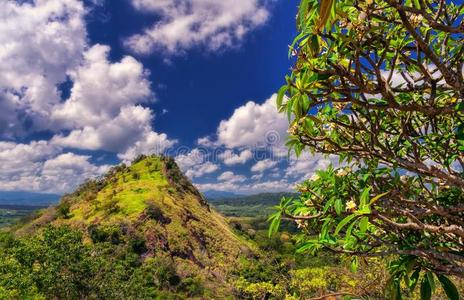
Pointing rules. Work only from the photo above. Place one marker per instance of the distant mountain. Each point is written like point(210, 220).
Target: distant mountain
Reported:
point(213, 194)
point(27, 198)
point(247, 200)
point(258, 205)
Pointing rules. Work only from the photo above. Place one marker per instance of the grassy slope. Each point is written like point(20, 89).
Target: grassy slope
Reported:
point(197, 238)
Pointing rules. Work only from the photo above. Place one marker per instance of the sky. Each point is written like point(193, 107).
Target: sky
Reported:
point(85, 85)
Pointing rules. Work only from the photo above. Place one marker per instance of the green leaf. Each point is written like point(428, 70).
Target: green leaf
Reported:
point(275, 224)
point(449, 287)
point(414, 279)
point(364, 197)
point(280, 95)
point(460, 106)
point(302, 10)
point(376, 198)
point(392, 289)
point(315, 48)
point(338, 206)
point(425, 290)
point(343, 223)
point(431, 280)
point(363, 223)
point(354, 264)
point(305, 246)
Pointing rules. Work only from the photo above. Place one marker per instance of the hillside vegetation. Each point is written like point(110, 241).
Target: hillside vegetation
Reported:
point(124, 228)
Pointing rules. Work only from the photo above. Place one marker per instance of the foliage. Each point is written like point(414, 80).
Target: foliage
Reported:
point(63, 209)
point(57, 265)
point(380, 84)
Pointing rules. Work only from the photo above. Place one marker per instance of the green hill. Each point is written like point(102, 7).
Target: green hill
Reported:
point(149, 211)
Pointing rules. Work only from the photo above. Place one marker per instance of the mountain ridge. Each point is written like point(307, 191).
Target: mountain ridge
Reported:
point(154, 202)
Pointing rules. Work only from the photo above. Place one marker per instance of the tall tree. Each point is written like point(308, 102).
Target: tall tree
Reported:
point(380, 84)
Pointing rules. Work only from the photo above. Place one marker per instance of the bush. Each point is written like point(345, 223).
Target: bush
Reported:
point(138, 245)
point(192, 287)
point(111, 206)
point(100, 234)
point(155, 213)
point(63, 209)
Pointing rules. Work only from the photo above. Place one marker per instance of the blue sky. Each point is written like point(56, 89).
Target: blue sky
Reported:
point(85, 85)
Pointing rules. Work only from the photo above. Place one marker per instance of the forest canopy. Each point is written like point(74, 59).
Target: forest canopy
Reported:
point(380, 85)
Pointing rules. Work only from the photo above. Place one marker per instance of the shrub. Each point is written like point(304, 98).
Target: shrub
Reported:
point(138, 245)
point(63, 209)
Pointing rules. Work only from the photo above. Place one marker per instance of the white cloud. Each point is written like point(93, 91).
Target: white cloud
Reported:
point(190, 159)
point(265, 186)
point(188, 23)
point(306, 165)
point(64, 171)
point(39, 166)
point(254, 125)
point(151, 142)
point(39, 42)
point(230, 158)
point(231, 177)
point(102, 109)
point(101, 88)
point(263, 165)
point(202, 169)
point(257, 176)
point(129, 133)
point(207, 142)
point(194, 163)
point(43, 44)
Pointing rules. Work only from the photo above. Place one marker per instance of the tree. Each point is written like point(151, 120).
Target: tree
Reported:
point(380, 85)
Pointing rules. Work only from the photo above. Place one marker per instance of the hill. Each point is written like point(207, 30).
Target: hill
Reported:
point(148, 211)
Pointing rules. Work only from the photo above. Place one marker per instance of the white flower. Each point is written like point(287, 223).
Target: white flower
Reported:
point(350, 205)
point(315, 177)
point(341, 172)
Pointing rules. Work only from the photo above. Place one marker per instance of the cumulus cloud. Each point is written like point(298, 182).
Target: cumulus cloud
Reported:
point(308, 164)
point(190, 159)
point(102, 109)
point(185, 24)
point(263, 165)
point(202, 169)
point(231, 177)
point(40, 166)
point(101, 88)
point(195, 164)
point(230, 158)
point(39, 42)
point(265, 186)
point(43, 44)
point(253, 125)
point(261, 129)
